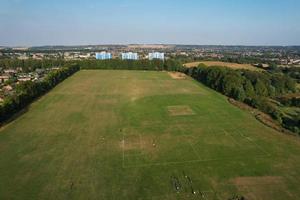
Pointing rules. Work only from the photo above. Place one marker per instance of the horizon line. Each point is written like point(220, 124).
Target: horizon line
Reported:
point(145, 44)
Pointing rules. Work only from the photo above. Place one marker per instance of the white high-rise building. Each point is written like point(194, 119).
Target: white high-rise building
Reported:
point(103, 56)
point(129, 56)
point(156, 55)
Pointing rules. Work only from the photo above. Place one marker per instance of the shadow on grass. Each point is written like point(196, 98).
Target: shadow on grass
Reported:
point(15, 116)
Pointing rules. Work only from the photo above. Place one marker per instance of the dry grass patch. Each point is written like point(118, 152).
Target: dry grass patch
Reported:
point(177, 75)
point(223, 64)
point(180, 110)
point(264, 180)
point(104, 100)
point(260, 188)
point(149, 144)
point(131, 143)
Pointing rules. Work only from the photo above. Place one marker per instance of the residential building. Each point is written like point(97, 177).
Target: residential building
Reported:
point(130, 56)
point(84, 56)
point(103, 56)
point(10, 71)
point(4, 78)
point(24, 78)
point(156, 55)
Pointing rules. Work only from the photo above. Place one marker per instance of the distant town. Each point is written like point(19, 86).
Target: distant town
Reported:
point(260, 56)
point(281, 55)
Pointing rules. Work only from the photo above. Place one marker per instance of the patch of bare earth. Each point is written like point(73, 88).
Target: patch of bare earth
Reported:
point(180, 110)
point(177, 75)
point(145, 144)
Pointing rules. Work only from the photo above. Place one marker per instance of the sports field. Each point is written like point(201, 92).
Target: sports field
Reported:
point(127, 135)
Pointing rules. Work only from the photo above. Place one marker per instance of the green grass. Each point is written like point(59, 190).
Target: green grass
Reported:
point(133, 134)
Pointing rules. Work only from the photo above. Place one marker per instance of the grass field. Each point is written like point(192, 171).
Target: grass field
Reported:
point(223, 64)
point(143, 135)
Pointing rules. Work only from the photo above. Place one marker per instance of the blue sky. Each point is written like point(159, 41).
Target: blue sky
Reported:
point(75, 22)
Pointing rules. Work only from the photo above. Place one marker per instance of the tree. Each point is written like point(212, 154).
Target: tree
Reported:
point(239, 94)
point(230, 82)
point(260, 88)
point(248, 87)
point(272, 66)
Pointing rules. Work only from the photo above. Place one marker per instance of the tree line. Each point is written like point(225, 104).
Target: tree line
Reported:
point(293, 72)
point(28, 91)
point(153, 65)
point(30, 64)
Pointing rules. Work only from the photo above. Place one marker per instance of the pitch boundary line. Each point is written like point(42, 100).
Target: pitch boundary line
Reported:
point(193, 161)
point(253, 142)
point(248, 139)
point(195, 152)
point(233, 139)
point(123, 151)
